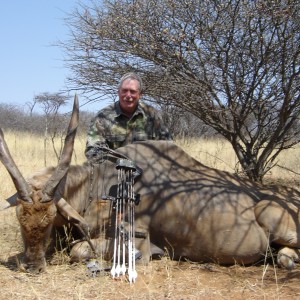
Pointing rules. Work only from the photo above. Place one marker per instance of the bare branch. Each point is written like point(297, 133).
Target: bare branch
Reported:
point(234, 64)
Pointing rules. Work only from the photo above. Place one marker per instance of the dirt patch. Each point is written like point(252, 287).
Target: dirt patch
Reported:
point(161, 279)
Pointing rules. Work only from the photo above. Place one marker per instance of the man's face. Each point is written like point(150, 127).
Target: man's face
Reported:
point(129, 95)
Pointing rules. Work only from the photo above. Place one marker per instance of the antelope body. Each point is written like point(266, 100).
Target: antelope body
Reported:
point(187, 209)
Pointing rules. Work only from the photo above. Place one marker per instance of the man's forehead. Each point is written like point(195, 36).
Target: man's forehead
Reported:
point(130, 83)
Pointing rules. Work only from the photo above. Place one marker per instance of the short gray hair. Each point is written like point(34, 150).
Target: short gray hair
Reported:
point(134, 77)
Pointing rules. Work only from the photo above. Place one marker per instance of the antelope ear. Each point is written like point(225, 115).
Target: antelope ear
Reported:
point(22, 187)
point(9, 202)
point(65, 159)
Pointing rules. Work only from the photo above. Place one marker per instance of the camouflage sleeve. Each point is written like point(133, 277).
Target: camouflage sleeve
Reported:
point(162, 132)
point(95, 138)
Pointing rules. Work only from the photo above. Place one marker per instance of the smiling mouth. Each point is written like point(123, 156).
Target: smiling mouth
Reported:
point(128, 99)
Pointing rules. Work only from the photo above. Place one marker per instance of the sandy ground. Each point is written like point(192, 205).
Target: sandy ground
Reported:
point(162, 279)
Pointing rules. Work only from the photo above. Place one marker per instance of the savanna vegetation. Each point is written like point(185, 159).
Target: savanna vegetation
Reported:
point(233, 64)
point(225, 74)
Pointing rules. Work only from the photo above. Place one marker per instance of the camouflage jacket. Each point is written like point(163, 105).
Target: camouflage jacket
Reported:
point(111, 128)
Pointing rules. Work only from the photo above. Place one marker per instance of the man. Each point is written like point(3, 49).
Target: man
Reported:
point(125, 121)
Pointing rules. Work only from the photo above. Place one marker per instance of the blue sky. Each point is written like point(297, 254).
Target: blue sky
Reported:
point(29, 63)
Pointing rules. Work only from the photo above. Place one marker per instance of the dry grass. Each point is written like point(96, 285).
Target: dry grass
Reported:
point(218, 153)
point(28, 152)
point(163, 279)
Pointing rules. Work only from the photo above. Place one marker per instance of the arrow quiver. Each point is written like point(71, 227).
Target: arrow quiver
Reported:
point(124, 240)
point(126, 169)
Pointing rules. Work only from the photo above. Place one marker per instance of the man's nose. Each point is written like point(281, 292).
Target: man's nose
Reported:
point(128, 95)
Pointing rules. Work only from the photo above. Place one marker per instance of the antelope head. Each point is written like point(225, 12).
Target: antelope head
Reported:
point(36, 209)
